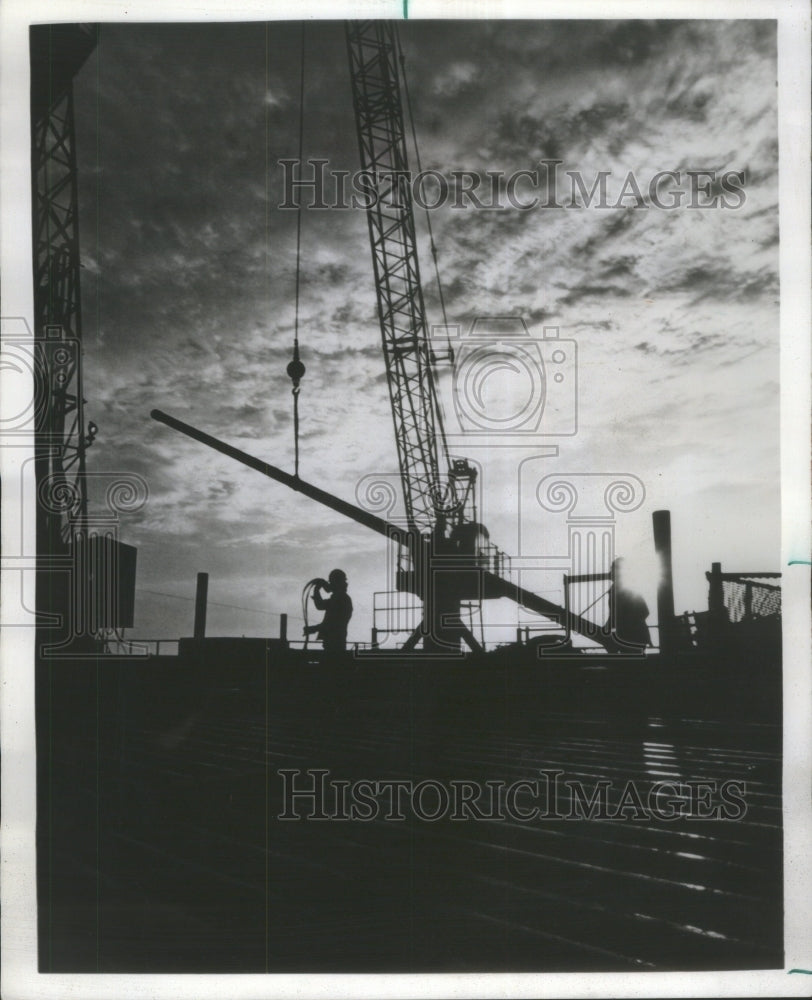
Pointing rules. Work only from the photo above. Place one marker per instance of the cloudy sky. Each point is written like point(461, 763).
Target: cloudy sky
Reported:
point(189, 270)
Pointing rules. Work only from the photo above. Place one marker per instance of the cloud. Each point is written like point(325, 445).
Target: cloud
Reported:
point(190, 269)
point(709, 279)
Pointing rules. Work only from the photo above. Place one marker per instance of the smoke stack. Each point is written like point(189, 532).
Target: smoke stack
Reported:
point(201, 597)
point(665, 589)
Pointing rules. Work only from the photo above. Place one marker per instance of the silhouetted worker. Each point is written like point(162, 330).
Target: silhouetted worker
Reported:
point(332, 629)
point(627, 615)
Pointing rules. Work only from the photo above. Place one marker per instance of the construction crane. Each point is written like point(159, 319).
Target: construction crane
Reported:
point(447, 557)
point(62, 438)
point(85, 575)
point(57, 54)
point(438, 494)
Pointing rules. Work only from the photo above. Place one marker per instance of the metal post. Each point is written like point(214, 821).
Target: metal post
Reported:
point(201, 597)
point(567, 628)
point(748, 601)
point(665, 589)
point(283, 628)
point(716, 598)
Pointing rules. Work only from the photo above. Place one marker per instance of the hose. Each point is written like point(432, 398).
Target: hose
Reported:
point(307, 591)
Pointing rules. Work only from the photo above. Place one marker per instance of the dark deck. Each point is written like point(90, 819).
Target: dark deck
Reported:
point(160, 848)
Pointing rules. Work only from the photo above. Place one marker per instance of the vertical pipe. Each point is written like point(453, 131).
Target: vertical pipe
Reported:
point(283, 627)
point(201, 597)
point(567, 629)
point(716, 593)
point(665, 588)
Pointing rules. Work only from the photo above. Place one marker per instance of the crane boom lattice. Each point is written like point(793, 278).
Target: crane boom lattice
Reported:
point(382, 143)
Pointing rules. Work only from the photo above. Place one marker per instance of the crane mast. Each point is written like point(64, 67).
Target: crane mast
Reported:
point(57, 54)
point(431, 496)
point(447, 565)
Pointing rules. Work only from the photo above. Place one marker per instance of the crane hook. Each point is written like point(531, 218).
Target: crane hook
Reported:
point(295, 368)
point(295, 372)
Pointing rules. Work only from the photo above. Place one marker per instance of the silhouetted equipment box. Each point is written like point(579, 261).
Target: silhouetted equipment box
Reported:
point(105, 571)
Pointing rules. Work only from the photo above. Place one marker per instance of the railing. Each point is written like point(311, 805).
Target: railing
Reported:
point(742, 597)
point(598, 588)
point(353, 646)
point(394, 614)
point(119, 646)
point(490, 557)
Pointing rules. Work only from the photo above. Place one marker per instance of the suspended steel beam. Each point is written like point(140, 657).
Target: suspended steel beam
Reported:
point(497, 586)
point(395, 532)
point(493, 586)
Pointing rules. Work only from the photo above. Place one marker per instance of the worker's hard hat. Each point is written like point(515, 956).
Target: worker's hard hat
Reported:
point(337, 578)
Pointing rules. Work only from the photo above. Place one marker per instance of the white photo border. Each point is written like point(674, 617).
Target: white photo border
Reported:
point(19, 971)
